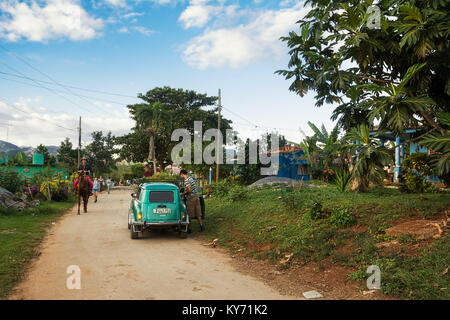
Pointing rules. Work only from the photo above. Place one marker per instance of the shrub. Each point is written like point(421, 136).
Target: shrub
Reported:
point(10, 180)
point(238, 193)
point(417, 166)
point(342, 218)
point(314, 211)
point(221, 188)
point(59, 190)
point(291, 198)
point(342, 179)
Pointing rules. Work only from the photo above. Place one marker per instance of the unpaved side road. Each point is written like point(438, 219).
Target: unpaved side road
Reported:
point(113, 266)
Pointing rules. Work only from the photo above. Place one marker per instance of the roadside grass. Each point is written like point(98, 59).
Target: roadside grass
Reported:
point(272, 222)
point(20, 234)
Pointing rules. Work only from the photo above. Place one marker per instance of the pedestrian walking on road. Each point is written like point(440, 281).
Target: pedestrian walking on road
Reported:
point(95, 189)
point(192, 200)
point(109, 184)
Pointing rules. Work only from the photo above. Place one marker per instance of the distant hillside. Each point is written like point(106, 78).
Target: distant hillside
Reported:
point(6, 146)
point(13, 149)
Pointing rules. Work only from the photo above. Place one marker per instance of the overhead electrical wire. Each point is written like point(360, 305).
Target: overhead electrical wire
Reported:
point(35, 116)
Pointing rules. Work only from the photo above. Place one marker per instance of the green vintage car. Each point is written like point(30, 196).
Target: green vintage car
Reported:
point(157, 205)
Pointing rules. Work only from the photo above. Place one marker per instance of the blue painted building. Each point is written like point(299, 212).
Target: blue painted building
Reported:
point(291, 164)
point(400, 142)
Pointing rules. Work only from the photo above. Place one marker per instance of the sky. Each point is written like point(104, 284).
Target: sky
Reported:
point(62, 59)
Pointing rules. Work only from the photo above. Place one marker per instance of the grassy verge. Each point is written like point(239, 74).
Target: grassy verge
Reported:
point(20, 233)
point(271, 223)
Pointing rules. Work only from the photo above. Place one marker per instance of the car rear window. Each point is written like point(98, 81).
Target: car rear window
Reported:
point(160, 196)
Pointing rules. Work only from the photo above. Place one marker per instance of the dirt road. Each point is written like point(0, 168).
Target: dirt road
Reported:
point(113, 266)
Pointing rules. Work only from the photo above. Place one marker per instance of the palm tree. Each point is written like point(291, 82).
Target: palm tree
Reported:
point(369, 157)
point(154, 118)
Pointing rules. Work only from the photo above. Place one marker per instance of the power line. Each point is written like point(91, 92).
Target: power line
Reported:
point(47, 76)
point(32, 85)
point(49, 89)
point(65, 85)
point(35, 116)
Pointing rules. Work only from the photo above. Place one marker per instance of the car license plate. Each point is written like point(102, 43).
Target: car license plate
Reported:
point(161, 210)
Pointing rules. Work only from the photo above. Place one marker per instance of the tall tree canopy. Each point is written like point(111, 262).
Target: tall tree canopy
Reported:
point(48, 158)
point(398, 73)
point(67, 155)
point(99, 153)
point(184, 106)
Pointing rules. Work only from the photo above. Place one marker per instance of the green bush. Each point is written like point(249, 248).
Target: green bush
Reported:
point(221, 188)
point(10, 180)
point(342, 179)
point(315, 209)
point(342, 218)
point(238, 193)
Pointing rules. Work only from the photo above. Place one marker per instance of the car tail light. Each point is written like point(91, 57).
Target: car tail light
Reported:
point(140, 216)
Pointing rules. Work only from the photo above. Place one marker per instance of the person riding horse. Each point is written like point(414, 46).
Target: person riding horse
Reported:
point(87, 170)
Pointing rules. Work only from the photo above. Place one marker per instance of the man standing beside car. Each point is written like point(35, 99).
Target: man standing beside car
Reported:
point(192, 200)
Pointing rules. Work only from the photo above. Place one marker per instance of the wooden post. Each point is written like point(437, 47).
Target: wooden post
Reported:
point(218, 142)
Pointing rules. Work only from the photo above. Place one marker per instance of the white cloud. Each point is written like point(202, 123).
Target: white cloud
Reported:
point(117, 3)
point(239, 45)
point(198, 14)
point(52, 20)
point(143, 30)
point(46, 132)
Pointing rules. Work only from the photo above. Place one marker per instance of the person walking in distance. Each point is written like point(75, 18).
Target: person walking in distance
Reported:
point(96, 188)
point(192, 200)
point(109, 184)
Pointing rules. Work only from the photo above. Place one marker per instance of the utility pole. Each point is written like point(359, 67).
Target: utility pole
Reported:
point(79, 141)
point(219, 145)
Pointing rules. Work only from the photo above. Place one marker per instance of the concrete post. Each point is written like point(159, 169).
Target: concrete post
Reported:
point(397, 159)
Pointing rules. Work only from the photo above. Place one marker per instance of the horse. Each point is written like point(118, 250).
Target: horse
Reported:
point(82, 191)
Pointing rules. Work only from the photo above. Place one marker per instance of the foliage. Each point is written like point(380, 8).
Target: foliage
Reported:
point(48, 158)
point(99, 153)
point(137, 170)
point(59, 190)
point(369, 157)
point(342, 179)
point(250, 224)
point(221, 188)
point(238, 193)
point(397, 73)
point(22, 232)
point(21, 159)
point(315, 209)
point(418, 167)
point(67, 156)
point(10, 180)
point(157, 121)
point(163, 176)
point(185, 107)
point(342, 217)
point(440, 143)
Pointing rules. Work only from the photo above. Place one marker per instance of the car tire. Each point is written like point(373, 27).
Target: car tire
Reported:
point(129, 226)
point(134, 235)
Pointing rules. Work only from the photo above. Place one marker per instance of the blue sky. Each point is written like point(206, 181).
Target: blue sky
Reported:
point(127, 47)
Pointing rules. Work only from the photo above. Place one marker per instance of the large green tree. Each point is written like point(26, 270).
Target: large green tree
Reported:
point(48, 158)
point(100, 152)
point(396, 73)
point(67, 156)
point(156, 119)
point(185, 107)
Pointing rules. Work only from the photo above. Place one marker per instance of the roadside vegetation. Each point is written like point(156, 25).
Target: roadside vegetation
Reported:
point(322, 225)
point(20, 234)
